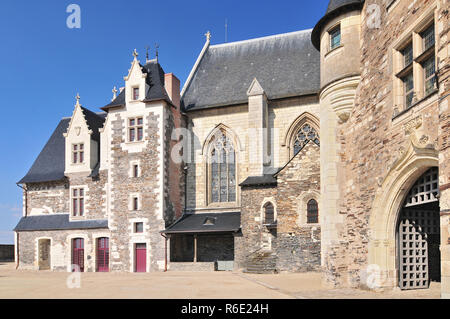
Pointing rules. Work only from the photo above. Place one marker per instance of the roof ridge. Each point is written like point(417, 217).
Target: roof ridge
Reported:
point(259, 38)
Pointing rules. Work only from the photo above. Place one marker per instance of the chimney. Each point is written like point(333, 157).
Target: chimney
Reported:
point(172, 85)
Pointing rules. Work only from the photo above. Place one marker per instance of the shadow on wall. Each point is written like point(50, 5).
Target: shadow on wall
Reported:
point(6, 252)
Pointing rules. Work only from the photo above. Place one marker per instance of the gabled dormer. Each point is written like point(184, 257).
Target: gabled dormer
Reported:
point(82, 140)
point(135, 84)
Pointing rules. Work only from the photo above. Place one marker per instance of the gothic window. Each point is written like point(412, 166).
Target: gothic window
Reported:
point(77, 201)
point(222, 168)
point(312, 212)
point(305, 134)
point(77, 153)
point(269, 213)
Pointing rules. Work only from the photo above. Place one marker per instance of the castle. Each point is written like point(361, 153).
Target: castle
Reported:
point(317, 150)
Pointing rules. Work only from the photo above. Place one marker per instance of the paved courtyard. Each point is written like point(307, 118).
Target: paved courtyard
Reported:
point(181, 285)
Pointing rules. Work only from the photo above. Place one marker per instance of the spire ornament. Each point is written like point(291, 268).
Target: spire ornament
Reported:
point(114, 90)
point(135, 54)
point(78, 99)
point(208, 36)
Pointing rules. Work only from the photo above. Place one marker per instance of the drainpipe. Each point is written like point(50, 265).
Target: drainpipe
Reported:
point(25, 209)
point(165, 252)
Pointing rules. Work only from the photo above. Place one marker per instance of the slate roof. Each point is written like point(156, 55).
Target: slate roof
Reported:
point(285, 65)
point(50, 163)
point(335, 7)
point(267, 179)
point(194, 223)
point(155, 86)
point(57, 222)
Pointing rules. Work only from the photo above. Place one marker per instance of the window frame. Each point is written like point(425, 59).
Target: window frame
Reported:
point(77, 196)
point(331, 34)
point(265, 207)
point(136, 227)
point(309, 217)
point(135, 97)
point(78, 153)
point(135, 128)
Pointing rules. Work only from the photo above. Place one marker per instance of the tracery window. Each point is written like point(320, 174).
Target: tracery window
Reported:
point(312, 212)
point(222, 169)
point(305, 134)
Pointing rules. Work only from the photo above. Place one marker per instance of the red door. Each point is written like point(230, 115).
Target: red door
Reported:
point(140, 257)
point(103, 254)
point(78, 253)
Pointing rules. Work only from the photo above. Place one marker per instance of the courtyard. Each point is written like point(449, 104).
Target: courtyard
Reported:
point(183, 285)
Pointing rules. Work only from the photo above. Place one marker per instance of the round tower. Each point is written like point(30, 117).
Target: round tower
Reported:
point(337, 37)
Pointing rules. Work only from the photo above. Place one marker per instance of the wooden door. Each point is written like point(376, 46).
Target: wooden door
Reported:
point(140, 257)
point(103, 254)
point(78, 253)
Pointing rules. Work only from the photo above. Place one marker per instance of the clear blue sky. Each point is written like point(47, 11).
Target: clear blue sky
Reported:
point(44, 63)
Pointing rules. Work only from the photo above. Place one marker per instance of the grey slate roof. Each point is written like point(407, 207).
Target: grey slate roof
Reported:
point(285, 65)
point(267, 179)
point(194, 223)
point(155, 82)
point(95, 122)
point(335, 7)
point(57, 222)
point(50, 163)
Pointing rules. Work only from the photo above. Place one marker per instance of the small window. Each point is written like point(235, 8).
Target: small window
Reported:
point(335, 37)
point(135, 129)
point(209, 221)
point(407, 55)
point(312, 212)
point(135, 94)
point(77, 201)
point(77, 153)
point(138, 227)
point(135, 170)
point(135, 203)
point(428, 37)
point(429, 69)
point(269, 214)
point(408, 84)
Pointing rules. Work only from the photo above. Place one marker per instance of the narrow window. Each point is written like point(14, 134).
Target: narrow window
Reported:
point(135, 203)
point(78, 202)
point(269, 216)
point(428, 37)
point(135, 170)
point(408, 84)
point(429, 69)
point(312, 212)
point(135, 129)
point(135, 94)
point(335, 37)
point(407, 55)
point(138, 227)
point(77, 153)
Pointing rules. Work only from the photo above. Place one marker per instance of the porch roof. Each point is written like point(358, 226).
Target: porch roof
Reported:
point(206, 223)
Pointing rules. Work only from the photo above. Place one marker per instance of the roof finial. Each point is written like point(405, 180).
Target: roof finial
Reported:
point(147, 58)
point(114, 90)
point(156, 51)
point(208, 36)
point(78, 99)
point(135, 54)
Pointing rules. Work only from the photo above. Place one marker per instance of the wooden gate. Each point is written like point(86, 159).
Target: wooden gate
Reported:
point(103, 254)
point(78, 253)
point(44, 254)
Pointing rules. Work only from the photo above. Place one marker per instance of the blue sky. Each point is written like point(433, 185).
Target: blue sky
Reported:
point(44, 63)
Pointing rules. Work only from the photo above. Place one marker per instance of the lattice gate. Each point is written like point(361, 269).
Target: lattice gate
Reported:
point(418, 234)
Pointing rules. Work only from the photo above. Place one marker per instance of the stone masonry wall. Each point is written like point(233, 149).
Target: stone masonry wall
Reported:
point(146, 186)
point(46, 198)
point(375, 136)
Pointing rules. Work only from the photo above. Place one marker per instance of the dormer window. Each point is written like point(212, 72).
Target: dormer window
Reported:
point(135, 129)
point(135, 94)
point(77, 153)
point(335, 37)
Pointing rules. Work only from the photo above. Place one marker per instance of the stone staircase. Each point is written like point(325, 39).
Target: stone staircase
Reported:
point(261, 262)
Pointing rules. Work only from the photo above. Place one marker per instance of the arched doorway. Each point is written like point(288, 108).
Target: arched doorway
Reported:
point(418, 234)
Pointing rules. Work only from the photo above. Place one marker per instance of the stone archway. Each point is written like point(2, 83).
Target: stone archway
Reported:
point(409, 166)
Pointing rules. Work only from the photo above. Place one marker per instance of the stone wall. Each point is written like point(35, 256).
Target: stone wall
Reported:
point(371, 144)
point(61, 248)
point(47, 198)
point(146, 187)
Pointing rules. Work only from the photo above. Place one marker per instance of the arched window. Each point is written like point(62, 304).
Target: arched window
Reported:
point(269, 213)
point(222, 169)
point(305, 134)
point(312, 212)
